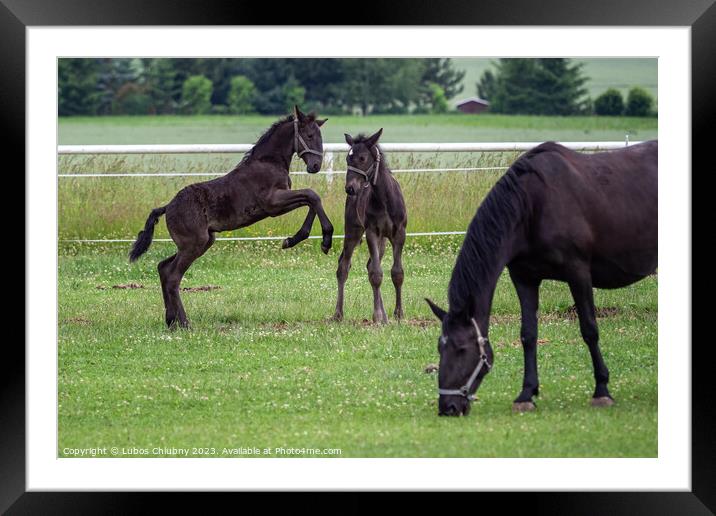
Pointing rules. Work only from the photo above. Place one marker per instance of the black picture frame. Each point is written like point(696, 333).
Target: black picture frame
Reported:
point(700, 16)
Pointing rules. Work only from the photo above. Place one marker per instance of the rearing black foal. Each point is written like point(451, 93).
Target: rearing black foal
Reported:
point(374, 205)
point(258, 187)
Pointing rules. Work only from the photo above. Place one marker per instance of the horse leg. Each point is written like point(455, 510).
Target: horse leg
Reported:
point(528, 293)
point(584, 301)
point(344, 266)
point(184, 258)
point(283, 201)
point(163, 268)
point(396, 273)
point(375, 276)
point(303, 232)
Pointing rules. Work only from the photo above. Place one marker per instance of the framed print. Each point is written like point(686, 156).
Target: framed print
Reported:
point(114, 394)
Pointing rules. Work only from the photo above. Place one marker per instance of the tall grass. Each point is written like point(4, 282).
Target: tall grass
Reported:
point(108, 207)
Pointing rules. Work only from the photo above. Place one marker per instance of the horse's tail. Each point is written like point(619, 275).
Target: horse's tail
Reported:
point(144, 238)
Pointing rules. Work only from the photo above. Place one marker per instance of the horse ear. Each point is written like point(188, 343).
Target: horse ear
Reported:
point(297, 113)
point(439, 312)
point(319, 123)
point(349, 139)
point(374, 139)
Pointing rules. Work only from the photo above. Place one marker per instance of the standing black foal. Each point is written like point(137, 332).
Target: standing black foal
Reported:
point(258, 187)
point(374, 206)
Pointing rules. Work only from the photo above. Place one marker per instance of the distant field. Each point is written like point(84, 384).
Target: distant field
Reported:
point(603, 73)
point(397, 128)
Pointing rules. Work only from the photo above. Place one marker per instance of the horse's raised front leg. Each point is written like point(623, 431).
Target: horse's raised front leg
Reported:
point(303, 233)
point(375, 275)
point(583, 295)
point(528, 293)
point(350, 242)
point(279, 202)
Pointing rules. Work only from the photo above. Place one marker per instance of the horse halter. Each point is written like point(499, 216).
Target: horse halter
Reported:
point(366, 173)
point(465, 389)
point(297, 138)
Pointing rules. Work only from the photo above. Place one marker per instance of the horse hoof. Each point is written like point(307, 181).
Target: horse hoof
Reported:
point(325, 248)
point(337, 317)
point(523, 406)
point(602, 401)
point(286, 243)
point(431, 368)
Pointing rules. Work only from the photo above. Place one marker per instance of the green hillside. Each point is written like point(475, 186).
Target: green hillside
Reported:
point(603, 73)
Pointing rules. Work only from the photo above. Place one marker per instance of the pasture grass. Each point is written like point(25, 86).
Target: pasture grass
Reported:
point(100, 208)
point(263, 367)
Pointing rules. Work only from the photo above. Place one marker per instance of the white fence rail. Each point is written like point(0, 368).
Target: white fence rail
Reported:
point(220, 148)
point(328, 148)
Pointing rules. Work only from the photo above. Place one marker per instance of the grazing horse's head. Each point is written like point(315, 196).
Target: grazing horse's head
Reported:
point(363, 162)
point(308, 143)
point(465, 359)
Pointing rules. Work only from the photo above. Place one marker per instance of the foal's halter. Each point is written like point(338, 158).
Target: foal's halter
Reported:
point(297, 138)
point(366, 173)
point(465, 389)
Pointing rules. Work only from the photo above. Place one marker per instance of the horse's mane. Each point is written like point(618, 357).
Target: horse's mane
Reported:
point(496, 218)
point(311, 117)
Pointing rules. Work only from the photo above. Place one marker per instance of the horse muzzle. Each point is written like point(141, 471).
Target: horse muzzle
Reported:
point(453, 406)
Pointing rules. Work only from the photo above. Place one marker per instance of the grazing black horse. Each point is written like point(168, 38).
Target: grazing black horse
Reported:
point(258, 187)
point(374, 205)
point(589, 220)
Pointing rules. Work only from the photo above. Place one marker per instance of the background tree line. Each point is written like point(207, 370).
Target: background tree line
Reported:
point(554, 86)
point(542, 86)
point(265, 86)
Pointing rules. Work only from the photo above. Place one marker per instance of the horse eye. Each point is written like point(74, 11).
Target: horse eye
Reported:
point(309, 136)
point(362, 158)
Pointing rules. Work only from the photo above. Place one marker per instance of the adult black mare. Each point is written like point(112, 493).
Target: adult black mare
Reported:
point(258, 187)
point(589, 220)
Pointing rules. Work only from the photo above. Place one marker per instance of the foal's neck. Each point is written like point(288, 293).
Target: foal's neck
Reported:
point(279, 146)
point(379, 190)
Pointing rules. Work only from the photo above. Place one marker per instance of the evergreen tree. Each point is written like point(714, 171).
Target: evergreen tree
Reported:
point(77, 86)
point(550, 86)
point(440, 71)
point(162, 85)
point(487, 86)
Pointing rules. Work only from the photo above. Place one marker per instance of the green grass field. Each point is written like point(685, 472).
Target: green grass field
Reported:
point(262, 366)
